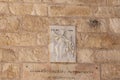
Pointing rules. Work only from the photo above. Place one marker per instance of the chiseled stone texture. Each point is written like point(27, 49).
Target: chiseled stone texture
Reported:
point(115, 25)
point(96, 2)
point(117, 12)
point(0, 55)
point(35, 23)
point(91, 40)
point(9, 55)
point(107, 56)
point(35, 71)
point(62, 21)
point(28, 9)
point(82, 25)
point(43, 39)
point(0, 71)
point(9, 23)
point(3, 0)
point(4, 8)
point(60, 72)
point(10, 71)
point(89, 25)
point(98, 56)
point(17, 39)
point(113, 2)
point(39, 54)
point(25, 32)
point(85, 56)
point(25, 0)
point(104, 12)
point(110, 71)
point(69, 11)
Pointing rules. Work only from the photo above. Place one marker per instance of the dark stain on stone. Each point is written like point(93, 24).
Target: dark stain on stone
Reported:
point(94, 23)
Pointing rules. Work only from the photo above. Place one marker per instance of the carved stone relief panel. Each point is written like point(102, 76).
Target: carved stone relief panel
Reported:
point(62, 44)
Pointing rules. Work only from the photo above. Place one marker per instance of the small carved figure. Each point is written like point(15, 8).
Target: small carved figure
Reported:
point(64, 46)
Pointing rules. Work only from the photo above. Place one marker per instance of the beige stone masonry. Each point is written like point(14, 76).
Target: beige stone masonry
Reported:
point(25, 39)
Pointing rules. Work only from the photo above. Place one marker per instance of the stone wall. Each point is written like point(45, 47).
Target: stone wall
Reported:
point(24, 39)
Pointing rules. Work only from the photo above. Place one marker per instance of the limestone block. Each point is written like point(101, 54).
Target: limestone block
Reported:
point(85, 56)
point(104, 12)
point(107, 56)
point(113, 2)
point(91, 40)
point(40, 9)
point(3, 0)
point(17, 39)
point(115, 25)
point(36, 71)
point(110, 71)
point(9, 55)
point(4, 8)
point(70, 11)
point(20, 8)
point(38, 54)
point(62, 21)
point(43, 39)
point(24, 0)
point(0, 71)
point(34, 23)
point(93, 2)
point(91, 25)
point(117, 11)
point(60, 72)
point(10, 71)
point(9, 23)
point(28, 9)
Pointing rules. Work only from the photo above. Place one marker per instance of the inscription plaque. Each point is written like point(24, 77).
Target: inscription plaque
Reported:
point(62, 44)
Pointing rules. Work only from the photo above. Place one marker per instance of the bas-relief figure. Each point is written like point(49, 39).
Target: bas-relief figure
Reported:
point(62, 47)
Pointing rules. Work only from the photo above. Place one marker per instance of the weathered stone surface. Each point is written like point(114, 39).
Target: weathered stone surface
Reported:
point(17, 39)
point(20, 8)
point(70, 11)
point(60, 72)
point(28, 9)
point(9, 23)
point(91, 25)
point(92, 40)
point(107, 56)
point(110, 71)
point(77, 1)
point(62, 21)
point(4, 8)
point(113, 2)
point(85, 56)
point(39, 54)
point(43, 39)
point(10, 71)
point(0, 71)
point(115, 25)
point(104, 12)
point(35, 71)
point(8, 55)
point(0, 56)
point(3, 0)
point(82, 25)
point(25, 0)
point(40, 9)
point(98, 56)
point(117, 11)
point(34, 23)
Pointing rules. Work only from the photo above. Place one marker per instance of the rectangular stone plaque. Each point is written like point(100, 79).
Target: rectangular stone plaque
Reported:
point(62, 44)
point(48, 71)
